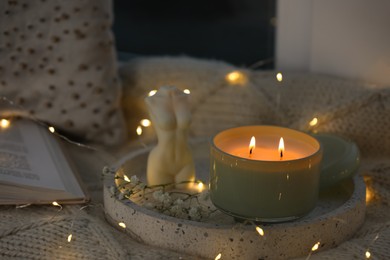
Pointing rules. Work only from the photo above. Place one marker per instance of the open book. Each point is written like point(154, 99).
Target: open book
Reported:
point(34, 168)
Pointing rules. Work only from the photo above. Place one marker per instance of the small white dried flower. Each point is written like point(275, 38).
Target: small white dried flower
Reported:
point(166, 198)
point(106, 170)
point(142, 185)
point(161, 196)
point(195, 213)
point(134, 179)
point(205, 195)
point(179, 202)
point(176, 209)
point(158, 194)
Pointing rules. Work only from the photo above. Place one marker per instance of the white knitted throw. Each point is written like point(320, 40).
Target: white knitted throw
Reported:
point(350, 108)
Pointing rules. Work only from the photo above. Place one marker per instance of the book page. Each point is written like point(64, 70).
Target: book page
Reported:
point(25, 158)
point(66, 171)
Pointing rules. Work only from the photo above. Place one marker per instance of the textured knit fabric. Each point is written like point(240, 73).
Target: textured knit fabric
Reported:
point(349, 108)
point(356, 110)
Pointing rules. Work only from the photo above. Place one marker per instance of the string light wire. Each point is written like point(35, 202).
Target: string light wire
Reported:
point(260, 231)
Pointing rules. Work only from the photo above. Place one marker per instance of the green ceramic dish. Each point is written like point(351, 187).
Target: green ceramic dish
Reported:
point(341, 159)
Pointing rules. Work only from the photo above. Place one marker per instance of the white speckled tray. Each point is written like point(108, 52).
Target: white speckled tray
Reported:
point(339, 213)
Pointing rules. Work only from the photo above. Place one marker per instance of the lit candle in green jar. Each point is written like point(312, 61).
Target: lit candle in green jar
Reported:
point(276, 179)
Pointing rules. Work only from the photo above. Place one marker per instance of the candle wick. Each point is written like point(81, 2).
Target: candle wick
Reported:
point(250, 151)
point(281, 154)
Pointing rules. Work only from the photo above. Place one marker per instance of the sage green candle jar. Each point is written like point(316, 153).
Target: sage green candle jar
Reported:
point(266, 182)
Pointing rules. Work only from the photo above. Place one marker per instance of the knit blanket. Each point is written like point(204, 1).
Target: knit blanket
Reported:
point(356, 110)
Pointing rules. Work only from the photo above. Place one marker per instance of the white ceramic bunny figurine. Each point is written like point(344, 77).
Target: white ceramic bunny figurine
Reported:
point(171, 160)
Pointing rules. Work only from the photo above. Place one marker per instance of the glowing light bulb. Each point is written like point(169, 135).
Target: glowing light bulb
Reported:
point(55, 203)
point(70, 238)
point(369, 195)
point(145, 122)
point(200, 186)
point(51, 129)
point(236, 78)
point(122, 224)
point(219, 256)
point(187, 91)
point(314, 121)
point(279, 77)
point(233, 76)
point(260, 231)
point(152, 92)
point(139, 130)
point(368, 254)
point(4, 123)
point(316, 246)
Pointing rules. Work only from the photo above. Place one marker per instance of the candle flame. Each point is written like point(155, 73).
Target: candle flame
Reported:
point(187, 91)
point(70, 238)
point(281, 147)
point(51, 129)
point(252, 145)
point(218, 256)
point(368, 254)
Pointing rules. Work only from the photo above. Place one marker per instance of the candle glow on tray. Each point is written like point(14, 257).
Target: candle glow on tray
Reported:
point(264, 173)
point(266, 148)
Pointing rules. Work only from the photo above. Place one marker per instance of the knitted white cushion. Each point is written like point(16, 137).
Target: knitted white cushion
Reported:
point(354, 109)
point(57, 64)
point(217, 102)
point(350, 108)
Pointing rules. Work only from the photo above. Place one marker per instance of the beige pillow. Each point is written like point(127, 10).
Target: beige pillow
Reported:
point(57, 64)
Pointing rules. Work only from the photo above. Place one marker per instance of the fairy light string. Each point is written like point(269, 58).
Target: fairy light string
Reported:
point(314, 248)
point(232, 78)
point(5, 122)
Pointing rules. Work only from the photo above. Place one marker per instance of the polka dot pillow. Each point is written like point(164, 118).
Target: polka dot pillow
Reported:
point(57, 64)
